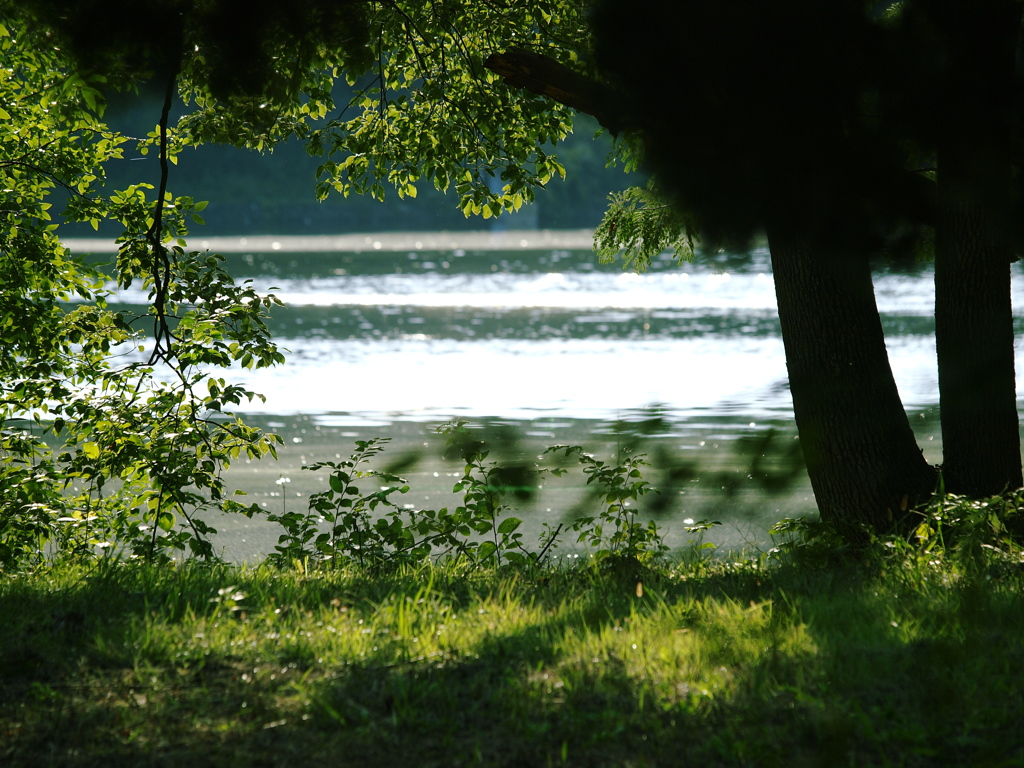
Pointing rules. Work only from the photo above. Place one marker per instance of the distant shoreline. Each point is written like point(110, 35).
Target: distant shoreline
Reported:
point(522, 239)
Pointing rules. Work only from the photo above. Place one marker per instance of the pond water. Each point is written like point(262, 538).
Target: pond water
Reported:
point(530, 334)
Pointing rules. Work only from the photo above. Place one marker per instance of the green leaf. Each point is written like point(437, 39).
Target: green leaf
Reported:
point(165, 520)
point(487, 548)
point(509, 524)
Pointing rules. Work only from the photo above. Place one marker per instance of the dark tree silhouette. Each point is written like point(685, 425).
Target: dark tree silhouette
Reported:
point(753, 115)
point(956, 92)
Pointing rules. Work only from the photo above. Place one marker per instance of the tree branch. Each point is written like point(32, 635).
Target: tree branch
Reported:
point(544, 76)
point(161, 261)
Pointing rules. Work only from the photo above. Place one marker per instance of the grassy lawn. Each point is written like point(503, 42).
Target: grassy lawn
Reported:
point(891, 660)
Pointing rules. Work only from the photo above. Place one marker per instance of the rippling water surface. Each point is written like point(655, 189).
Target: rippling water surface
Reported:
point(428, 335)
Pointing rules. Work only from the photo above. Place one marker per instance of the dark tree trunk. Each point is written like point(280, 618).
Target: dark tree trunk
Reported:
point(863, 460)
point(973, 316)
point(974, 342)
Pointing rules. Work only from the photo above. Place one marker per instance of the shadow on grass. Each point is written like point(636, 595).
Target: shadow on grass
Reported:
point(715, 665)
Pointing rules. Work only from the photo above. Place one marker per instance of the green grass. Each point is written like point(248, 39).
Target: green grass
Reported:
point(892, 660)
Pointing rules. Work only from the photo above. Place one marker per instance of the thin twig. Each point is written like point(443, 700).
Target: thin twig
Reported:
point(161, 261)
point(554, 535)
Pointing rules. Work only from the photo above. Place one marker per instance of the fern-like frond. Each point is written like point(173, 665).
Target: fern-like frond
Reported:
point(640, 225)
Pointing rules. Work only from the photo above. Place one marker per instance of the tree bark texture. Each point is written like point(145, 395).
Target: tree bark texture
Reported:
point(974, 249)
point(862, 458)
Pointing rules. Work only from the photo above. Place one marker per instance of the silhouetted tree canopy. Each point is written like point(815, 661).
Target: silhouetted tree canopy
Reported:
point(237, 48)
point(764, 114)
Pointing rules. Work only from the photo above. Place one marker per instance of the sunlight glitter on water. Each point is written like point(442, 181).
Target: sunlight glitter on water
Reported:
point(506, 336)
point(435, 379)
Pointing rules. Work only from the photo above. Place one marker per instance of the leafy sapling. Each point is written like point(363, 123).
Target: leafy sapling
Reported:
point(354, 534)
point(615, 531)
point(485, 486)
